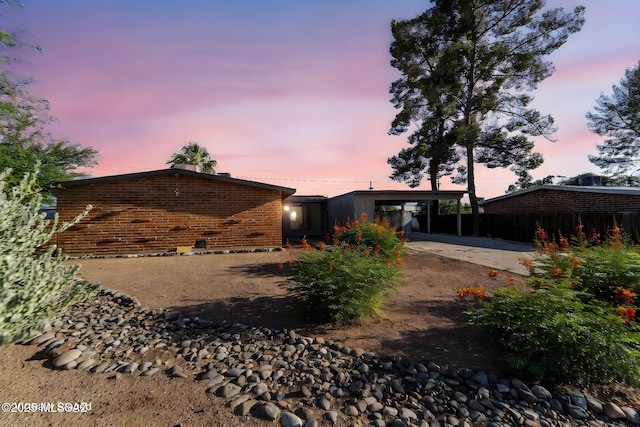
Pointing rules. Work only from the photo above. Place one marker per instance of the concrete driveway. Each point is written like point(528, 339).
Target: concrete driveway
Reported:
point(492, 253)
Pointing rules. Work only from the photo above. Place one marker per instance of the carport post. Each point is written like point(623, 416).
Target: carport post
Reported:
point(459, 220)
point(406, 219)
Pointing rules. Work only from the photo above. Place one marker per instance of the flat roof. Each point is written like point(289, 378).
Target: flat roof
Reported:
point(406, 195)
point(574, 188)
point(633, 191)
point(171, 171)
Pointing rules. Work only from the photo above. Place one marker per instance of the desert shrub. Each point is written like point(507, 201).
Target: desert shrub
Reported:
point(579, 322)
point(376, 236)
point(34, 285)
point(352, 279)
point(592, 265)
point(561, 335)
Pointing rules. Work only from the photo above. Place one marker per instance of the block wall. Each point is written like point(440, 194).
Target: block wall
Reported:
point(550, 201)
point(158, 214)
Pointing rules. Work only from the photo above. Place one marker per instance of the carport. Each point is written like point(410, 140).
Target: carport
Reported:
point(350, 206)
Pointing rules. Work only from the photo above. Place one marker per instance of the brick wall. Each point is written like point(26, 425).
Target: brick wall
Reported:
point(550, 201)
point(159, 213)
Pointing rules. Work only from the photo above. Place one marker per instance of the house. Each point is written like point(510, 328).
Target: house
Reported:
point(561, 208)
point(351, 205)
point(305, 216)
point(565, 198)
point(316, 215)
point(163, 210)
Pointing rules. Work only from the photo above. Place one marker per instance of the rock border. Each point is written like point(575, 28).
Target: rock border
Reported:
point(278, 375)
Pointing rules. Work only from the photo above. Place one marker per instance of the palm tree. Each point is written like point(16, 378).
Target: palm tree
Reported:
point(193, 153)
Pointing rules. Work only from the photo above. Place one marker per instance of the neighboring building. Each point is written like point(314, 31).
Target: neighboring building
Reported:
point(565, 198)
point(162, 210)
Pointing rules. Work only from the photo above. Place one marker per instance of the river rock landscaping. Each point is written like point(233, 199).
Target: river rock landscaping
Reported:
point(294, 380)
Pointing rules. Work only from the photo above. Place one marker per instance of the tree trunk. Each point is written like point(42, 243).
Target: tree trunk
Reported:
point(473, 199)
point(435, 186)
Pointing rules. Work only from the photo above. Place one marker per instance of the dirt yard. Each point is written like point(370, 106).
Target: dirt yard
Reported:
point(424, 321)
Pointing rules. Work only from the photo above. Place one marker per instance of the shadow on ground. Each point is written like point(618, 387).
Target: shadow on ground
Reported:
point(273, 312)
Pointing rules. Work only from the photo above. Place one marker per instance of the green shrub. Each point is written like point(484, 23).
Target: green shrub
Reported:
point(579, 323)
point(561, 335)
point(34, 285)
point(604, 269)
point(352, 279)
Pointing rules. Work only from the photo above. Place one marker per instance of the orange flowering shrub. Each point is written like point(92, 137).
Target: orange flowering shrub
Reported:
point(377, 237)
point(477, 293)
point(579, 322)
point(351, 279)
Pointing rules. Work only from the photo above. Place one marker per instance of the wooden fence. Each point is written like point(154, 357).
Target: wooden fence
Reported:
point(522, 227)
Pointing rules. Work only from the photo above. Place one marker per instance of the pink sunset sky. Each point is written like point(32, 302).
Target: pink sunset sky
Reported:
point(285, 92)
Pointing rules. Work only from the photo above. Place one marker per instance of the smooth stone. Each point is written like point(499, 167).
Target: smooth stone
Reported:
point(211, 373)
point(149, 372)
point(260, 388)
point(375, 407)
point(481, 378)
point(332, 416)
point(541, 392)
point(576, 411)
point(594, 405)
point(234, 372)
point(324, 404)
point(406, 413)
point(70, 365)
point(527, 396)
point(390, 411)
point(228, 390)
point(66, 357)
point(265, 411)
point(311, 422)
point(176, 371)
point(460, 397)
point(86, 364)
point(62, 348)
point(244, 408)
point(351, 411)
point(215, 380)
point(101, 367)
point(578, 400)
point(41, 338)
point(131, 367)
point(304, 413)
point(290, 420)
point(631, 414)
point(613, 411)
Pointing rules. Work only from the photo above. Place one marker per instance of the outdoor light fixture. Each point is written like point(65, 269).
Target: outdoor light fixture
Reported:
point(286, 207)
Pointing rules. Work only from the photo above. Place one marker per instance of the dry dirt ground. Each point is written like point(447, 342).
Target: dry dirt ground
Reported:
point(424, 321)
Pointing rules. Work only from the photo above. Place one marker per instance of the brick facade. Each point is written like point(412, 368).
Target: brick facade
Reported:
point(548, 199)
point(161, 210)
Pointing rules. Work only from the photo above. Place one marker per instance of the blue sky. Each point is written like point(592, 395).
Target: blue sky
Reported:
point(285, 92)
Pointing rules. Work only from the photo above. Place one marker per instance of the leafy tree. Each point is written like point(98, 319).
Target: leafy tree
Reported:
point(618, 117)
point(427, 105)
point(474, 62)
point(24, 118)
point(194, 154)
point(522, 184)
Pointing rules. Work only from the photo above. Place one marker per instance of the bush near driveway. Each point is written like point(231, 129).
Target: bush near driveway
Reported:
point(351, 279)
point(579, 324)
